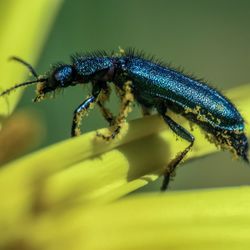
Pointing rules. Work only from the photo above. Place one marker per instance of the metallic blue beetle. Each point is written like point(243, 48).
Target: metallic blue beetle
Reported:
point(154, 86)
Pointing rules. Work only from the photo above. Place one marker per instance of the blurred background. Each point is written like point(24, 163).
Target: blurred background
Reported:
point(208, 38)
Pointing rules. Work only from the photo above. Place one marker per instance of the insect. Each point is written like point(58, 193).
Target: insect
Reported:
point(154, 86)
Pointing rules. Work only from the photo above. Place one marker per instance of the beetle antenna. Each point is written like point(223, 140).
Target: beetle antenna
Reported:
point(31, 69)
point(7, 91)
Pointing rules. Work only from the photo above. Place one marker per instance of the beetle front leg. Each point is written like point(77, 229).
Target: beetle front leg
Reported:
point(183, 133)
point(79, 113)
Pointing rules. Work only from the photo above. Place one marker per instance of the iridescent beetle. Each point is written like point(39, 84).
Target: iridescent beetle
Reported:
point(154, 86)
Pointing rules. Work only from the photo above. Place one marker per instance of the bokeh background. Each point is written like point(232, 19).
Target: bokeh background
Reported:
point(208, 38)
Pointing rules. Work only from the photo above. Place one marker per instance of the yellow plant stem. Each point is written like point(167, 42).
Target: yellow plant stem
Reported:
point(48, 197)
point(209, 219)
point(88, 170)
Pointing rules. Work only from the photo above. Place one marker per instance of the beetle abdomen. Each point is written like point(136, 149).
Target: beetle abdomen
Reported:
point(183, 94)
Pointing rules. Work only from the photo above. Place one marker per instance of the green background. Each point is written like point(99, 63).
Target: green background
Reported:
point(208, 38)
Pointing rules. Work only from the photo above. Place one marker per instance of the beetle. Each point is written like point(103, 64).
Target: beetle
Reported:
point(153, 85)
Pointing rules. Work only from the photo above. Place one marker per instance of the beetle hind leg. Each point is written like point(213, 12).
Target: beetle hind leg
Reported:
point(146, 111)
point(170, 172)
point(183, 133)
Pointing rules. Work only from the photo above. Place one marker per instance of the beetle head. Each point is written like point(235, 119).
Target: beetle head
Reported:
point(60, 77)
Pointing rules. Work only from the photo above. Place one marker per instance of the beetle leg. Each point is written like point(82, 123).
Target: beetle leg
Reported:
point(127, 99)
point(145, 111)
point(79, 113)
point(102, 98)
point(183, 133)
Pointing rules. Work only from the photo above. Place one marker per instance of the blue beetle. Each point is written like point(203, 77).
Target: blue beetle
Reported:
point(153, 85)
